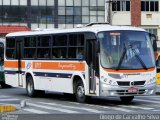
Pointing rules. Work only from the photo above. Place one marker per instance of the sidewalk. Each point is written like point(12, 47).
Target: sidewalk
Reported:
point(7, 108)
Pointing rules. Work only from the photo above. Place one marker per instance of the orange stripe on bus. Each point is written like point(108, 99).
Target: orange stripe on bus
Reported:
point(13, 64)
point(129, 71)
point(59, 66)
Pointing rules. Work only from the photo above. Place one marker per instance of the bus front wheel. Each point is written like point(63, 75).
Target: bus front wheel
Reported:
point(80, 92)
point(126, 99)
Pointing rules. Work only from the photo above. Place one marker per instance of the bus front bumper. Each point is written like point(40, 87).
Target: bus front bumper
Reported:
point(108, 90)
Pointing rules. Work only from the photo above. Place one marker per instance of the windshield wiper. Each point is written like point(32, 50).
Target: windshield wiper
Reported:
point(138, 58)
point(122, 57)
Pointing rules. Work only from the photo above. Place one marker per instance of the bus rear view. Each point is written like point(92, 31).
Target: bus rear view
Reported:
point(127, 64)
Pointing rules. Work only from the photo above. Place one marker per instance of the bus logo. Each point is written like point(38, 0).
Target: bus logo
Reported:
point(131, 83)
point(29, 65)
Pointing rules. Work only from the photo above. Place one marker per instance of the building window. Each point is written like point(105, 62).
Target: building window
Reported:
point(152, 30)
point(34, 2)
point(150, 5)
point(85, 2)
point(118, 5)
point(23, 2)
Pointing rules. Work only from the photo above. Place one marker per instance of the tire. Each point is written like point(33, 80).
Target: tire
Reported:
point(3, 85)
point(127, 99)
point(31, 92)
point(80, 92)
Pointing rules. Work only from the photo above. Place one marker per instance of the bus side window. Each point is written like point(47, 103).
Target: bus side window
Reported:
point(59, 46)
point(30, 47)
point(44, 46)
point(10, 48)
point(76, 46)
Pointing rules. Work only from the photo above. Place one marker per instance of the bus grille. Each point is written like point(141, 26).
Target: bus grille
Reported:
point(125, 92)
point(128, 83)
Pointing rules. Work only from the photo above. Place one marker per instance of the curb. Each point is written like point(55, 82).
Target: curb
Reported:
point(7, 108)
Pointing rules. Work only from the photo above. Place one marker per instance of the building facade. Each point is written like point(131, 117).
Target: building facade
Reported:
point(140, 13)
point(51, 13)
point(70, 13)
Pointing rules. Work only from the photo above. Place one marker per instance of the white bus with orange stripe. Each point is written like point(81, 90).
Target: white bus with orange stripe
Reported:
point(96, 60)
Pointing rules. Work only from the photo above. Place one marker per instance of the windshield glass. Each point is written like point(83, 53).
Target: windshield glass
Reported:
point(126, 50)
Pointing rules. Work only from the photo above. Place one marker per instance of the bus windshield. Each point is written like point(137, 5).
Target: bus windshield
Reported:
point(126, 50)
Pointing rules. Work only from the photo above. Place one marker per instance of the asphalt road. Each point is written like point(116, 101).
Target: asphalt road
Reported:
point(60, 107)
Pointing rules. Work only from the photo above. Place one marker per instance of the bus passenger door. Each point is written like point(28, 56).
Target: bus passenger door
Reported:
point(19, 58)
point(93, 70)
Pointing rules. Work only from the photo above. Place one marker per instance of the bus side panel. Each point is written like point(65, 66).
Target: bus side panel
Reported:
point(62, 85)
point(56, 76)
point(11, 75)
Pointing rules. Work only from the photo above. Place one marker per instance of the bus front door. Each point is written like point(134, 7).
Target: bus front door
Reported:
point(19, 58)
point(92, 65)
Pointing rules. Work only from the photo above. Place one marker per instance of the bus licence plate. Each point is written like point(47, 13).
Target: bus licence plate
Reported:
point(132, 90)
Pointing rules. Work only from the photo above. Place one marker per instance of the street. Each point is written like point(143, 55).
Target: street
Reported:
point(58, 104)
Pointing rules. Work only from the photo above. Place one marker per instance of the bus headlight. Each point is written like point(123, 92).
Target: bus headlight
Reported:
point(109, 82)
point(150, 81)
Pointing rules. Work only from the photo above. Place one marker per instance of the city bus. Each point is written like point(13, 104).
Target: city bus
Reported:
point(2, 80)
point(95, 60)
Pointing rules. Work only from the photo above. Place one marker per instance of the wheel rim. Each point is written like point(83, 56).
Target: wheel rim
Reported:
point(80, 91)
point(30, 87)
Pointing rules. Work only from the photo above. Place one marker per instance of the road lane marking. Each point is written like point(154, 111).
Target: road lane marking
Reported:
point(106, 107)
point(119, 109)
point(35, 111)
point(155, 99)
point(150, 101)
point(152, 96)
point(4, 96)
point(139, 107)
point(73, 107)
point(110, 107)
point(52, 108)
point(156, 110)
point(9, 100)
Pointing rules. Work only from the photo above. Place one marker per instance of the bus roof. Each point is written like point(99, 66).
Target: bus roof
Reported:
point(93, 28)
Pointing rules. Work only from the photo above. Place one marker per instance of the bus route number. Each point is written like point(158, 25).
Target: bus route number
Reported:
point(37, 65)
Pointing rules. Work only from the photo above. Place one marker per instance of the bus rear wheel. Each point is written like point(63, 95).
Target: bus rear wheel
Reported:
point(127, 99)
point(31, 92)
point(3, 85)
point(80, 92)
point(30, 87)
